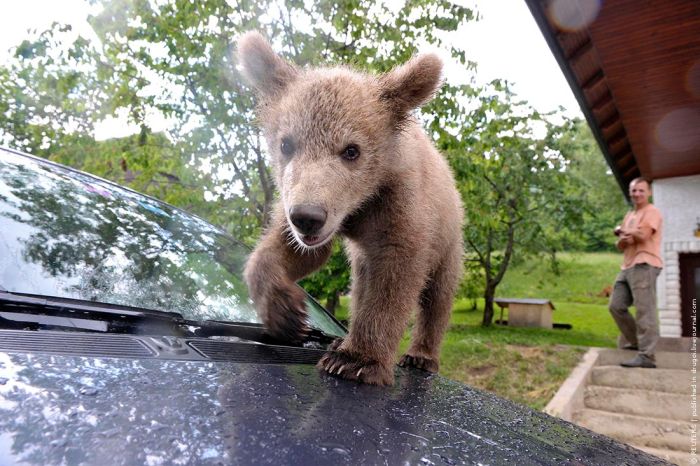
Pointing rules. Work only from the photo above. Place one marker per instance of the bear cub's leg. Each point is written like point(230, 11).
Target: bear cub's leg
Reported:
point(385, 290)
point(433, 316)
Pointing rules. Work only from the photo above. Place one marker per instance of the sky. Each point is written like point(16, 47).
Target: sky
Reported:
point(506, 43)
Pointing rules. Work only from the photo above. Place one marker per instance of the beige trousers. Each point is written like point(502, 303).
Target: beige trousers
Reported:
point(636, 285)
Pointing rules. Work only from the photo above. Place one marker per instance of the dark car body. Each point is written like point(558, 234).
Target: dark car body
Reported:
point(109, 357)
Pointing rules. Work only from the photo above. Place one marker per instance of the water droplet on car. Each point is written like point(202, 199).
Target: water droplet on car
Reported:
point(58, 443)
point(156, 426)
point(111, 432)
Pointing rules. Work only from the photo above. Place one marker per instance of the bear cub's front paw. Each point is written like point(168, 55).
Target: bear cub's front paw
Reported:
point(284, 313)
point(335, 344)
point(419, 362)
point(347, 365)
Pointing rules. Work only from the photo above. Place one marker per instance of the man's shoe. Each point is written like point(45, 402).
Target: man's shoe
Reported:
point(630, 346)
point(640, 360)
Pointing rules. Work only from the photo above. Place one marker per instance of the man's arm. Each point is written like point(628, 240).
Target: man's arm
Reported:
point(636, 235)
point(649, 224)
point(641, 233)
point(623, 238)
point(621, 244)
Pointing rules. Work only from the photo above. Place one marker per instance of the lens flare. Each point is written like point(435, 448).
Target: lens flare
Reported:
point(679, 130)
point(692, 79)
point(573, 15)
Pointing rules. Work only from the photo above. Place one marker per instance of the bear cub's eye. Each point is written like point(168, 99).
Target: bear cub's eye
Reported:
point(287, 146)
point(351, 152)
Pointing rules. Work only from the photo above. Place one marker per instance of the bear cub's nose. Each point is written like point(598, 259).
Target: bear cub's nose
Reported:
point(309, 219)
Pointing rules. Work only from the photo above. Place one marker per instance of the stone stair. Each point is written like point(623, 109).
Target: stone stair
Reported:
point(649, 409)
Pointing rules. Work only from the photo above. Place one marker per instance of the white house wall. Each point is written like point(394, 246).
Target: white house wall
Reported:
point(679, 202)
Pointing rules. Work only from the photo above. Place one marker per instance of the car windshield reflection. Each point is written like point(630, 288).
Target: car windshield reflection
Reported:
point(70, 235)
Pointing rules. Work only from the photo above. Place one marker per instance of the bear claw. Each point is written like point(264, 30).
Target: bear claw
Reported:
point(419, 362)
point(348, 366)
point(335, 344)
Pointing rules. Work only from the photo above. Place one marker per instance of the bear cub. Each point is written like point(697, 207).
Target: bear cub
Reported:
point(349, 160)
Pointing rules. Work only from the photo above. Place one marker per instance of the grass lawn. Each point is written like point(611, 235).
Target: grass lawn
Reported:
point(582, 277)
point(524, 364)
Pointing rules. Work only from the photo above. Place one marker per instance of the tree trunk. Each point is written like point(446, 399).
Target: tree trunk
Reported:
point(489, 294)
point(493, 281)
point(332, 302)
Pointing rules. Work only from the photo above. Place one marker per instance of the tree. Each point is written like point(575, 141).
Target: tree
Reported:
point(187, 47)
point(174, 59)
point(57, 89)
point(603, 202)
point(472, 284)
point(53, 88)
point(514, 184)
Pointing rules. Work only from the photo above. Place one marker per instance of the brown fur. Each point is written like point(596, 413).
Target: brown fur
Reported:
point(395, 206)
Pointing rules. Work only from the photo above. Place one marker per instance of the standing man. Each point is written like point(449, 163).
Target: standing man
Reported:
point(640, 241)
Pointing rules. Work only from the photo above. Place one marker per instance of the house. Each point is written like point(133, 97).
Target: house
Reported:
point(634, 67)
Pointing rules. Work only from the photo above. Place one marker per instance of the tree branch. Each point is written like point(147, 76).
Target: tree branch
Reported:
point(286, 24)
point(503, 266)
point(478, 253)
point(240, 176)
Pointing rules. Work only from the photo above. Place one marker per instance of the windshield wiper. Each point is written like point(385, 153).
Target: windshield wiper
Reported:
point(22, 300)
point(34, 312)
point(256, 332)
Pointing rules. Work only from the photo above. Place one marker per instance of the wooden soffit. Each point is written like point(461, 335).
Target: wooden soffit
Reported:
point(634, 67)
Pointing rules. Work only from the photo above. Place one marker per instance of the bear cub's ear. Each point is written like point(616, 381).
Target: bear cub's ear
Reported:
point(411, 85)
point(267, 72)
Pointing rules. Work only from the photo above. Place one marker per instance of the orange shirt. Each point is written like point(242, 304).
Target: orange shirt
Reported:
point(648, 250)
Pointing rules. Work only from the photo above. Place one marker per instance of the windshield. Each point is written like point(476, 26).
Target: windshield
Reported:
point(67, 234)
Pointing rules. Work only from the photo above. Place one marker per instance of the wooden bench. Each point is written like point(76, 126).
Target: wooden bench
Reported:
point(527, 312)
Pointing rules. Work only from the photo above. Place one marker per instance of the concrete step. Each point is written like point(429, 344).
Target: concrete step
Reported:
point(649, 403)
point(637, 430)
point(681, 458)
point(675, 344)
point(660, 380)
point(664, 359)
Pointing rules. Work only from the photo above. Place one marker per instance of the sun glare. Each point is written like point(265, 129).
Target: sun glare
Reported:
point(574, 15)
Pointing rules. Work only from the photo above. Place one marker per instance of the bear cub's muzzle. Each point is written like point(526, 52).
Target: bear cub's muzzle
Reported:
point(308, 219)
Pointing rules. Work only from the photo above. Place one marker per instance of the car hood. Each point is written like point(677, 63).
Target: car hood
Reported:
point(86, 410)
